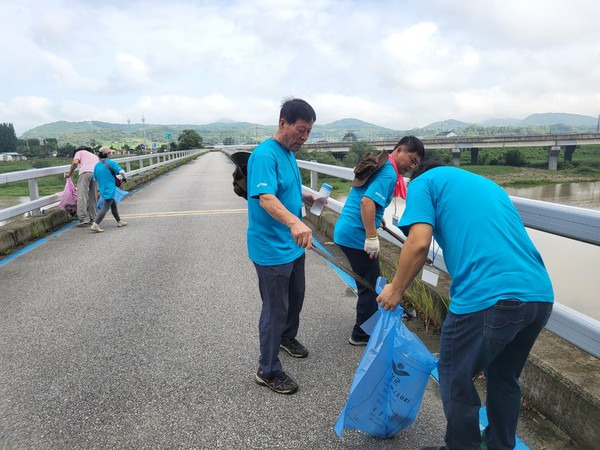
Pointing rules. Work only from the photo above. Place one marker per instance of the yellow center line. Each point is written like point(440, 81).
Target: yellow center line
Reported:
point(207, 212)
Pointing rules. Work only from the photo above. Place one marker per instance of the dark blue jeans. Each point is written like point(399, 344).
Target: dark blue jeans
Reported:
point(366, 304)
point(496, 341)
point(282, 293)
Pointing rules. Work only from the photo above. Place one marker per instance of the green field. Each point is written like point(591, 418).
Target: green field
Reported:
point(47, 185)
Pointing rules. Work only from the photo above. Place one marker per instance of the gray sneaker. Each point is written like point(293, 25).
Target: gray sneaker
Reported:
point(358, 342)
point(84, 223)
point(282, 384)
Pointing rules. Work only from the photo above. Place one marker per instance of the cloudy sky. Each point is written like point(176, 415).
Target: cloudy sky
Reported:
point(399, 64)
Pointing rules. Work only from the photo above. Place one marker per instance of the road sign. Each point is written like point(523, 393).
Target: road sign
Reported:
point(168, 136)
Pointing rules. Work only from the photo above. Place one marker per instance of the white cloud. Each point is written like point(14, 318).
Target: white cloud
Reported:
point(394, 64)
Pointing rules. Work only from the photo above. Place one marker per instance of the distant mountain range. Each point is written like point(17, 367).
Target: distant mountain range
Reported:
point(582, 123)
point(245, 132)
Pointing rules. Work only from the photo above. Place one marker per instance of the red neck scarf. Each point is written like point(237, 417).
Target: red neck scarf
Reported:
point(400, 189)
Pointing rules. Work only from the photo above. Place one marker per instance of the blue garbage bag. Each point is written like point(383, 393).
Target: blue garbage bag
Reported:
point(390, 381)
point(120, 194)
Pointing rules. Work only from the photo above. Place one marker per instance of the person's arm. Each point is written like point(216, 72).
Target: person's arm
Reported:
point(367, 214)
point(301, 233)
point(411, 261)
point(74, 165)
point(118, 170)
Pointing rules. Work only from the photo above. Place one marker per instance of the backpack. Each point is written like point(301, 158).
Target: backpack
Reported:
point(240, 174)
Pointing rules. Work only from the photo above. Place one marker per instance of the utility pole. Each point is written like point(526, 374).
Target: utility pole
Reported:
point(144, 130)
point(598, 126)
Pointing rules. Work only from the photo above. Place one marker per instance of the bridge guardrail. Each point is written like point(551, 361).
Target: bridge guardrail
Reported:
point(561, 220)
point(36, 202)
point(568, 221)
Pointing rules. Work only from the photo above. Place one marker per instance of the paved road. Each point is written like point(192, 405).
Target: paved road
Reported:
point(146, 336)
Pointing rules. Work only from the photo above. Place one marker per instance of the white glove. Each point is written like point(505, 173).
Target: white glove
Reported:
point(372, 246)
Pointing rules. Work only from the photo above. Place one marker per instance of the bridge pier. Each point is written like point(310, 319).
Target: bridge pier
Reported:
point(569, 150)
point(553, 153)
point(474, 156)
point(456, 156)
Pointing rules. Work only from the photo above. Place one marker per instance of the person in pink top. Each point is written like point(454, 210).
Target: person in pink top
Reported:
point(87, 188)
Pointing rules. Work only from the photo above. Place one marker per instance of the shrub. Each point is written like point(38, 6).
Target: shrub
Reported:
point(514, 158)
point(40, 163)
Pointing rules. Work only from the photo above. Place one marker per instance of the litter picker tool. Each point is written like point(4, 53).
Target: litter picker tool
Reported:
point(343, 268)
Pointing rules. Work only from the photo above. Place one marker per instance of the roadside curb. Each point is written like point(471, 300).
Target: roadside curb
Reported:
point(24, 230)
point(559, 380)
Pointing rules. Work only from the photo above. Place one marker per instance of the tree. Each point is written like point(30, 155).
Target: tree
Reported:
point(8, 138)
point(349, 136)
point(189, 139)
point(357, 150)
point(51, 146)
point(514, 158)
point(228, 141)
point(319, 156)
point(66, 151)
point(32, 148)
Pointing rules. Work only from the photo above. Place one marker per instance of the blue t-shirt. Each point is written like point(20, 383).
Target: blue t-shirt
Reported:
point(105, 179)
point(349, 229)
point(272, 169)
point(487, 250)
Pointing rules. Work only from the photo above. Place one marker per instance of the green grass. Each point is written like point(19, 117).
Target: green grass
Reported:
point(340, 186)
point(46, 186)
point(16, 166)
point(490, 170)
point(422, 298)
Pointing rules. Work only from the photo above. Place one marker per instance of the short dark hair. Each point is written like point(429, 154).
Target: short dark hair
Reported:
point(296, 108)
point(424, 166)
point(413, 145)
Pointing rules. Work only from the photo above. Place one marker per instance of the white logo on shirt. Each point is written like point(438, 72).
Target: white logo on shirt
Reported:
point(261, 184)
point(380, 196)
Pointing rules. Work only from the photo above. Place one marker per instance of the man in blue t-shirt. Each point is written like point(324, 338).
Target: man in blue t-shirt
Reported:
point(356, 229)
point(277, 238)
point(500, 297)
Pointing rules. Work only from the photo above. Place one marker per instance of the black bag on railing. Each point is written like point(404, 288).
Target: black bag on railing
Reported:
point(240, 174)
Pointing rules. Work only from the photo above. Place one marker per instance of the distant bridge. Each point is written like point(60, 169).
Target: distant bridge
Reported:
point(552, 142)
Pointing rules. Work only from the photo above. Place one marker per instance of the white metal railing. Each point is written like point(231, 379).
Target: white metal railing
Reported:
point(36, 203)
point(568, 221)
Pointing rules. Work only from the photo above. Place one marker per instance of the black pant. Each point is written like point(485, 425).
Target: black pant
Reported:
point(366, 305)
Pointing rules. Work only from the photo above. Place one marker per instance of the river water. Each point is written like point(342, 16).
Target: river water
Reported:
point(7, 201)
point(571, 264)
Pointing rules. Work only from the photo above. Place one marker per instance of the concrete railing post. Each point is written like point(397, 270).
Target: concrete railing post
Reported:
point(553, 153)
point(314, 178)
point(34, 194)
point(456, 156)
